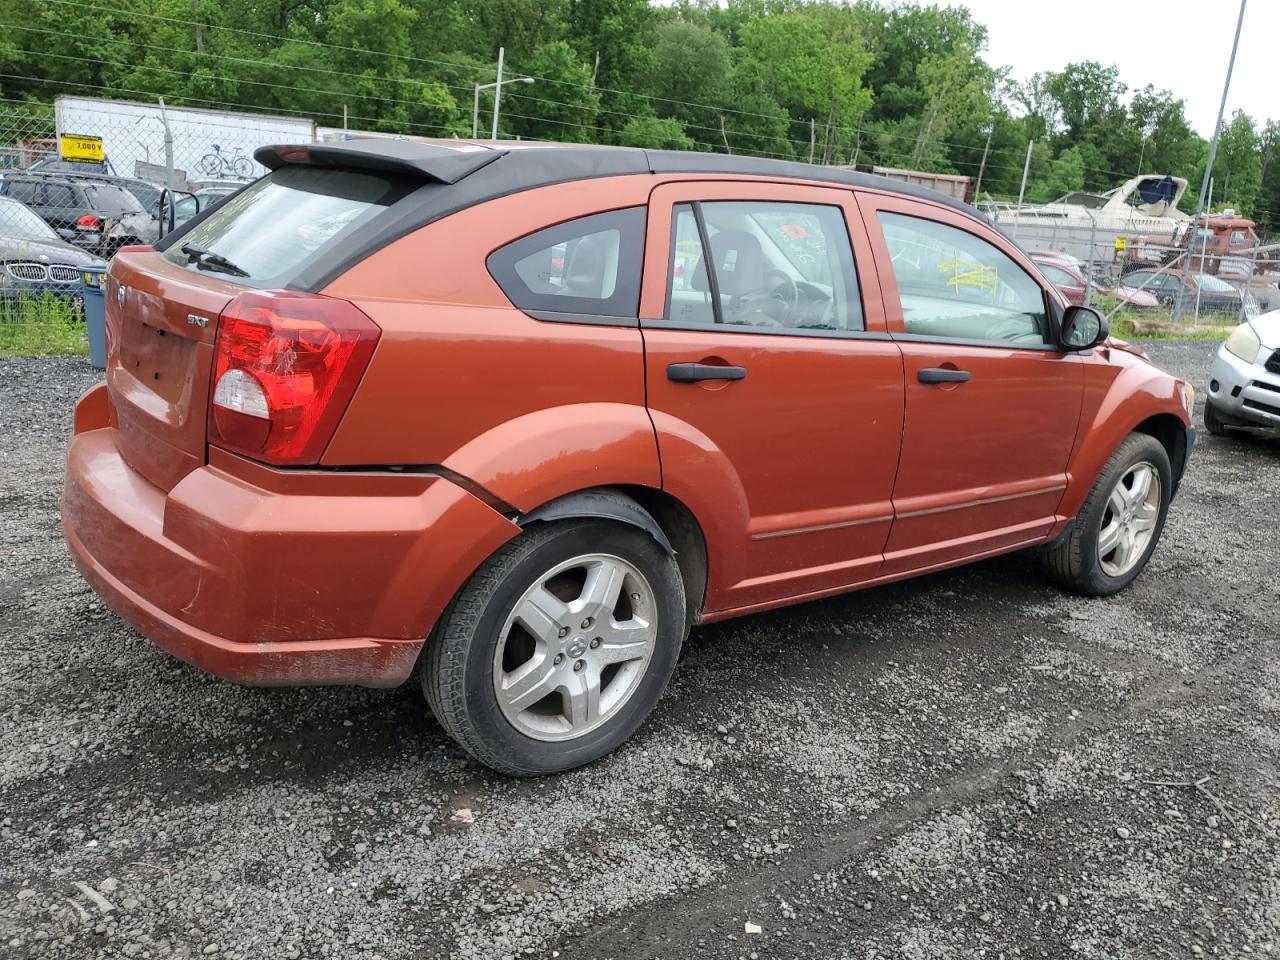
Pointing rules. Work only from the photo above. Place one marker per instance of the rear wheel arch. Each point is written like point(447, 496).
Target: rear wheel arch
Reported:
point(671, 523)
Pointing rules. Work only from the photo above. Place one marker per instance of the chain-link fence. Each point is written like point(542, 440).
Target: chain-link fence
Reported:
point(142, 169)
point(1148, 265)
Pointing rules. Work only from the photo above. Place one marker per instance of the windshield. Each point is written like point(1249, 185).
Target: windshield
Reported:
point(19, 223)
point(275, 227)
point(108, 198)
point(1213, 284)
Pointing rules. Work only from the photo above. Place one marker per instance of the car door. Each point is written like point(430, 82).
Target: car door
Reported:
point(776, 364)
point(992, 404)
point(63, 206)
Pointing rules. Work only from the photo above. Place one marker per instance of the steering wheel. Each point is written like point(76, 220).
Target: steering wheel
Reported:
point(785, 292)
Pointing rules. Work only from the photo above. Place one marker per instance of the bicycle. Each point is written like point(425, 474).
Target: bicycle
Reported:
point(219, 164)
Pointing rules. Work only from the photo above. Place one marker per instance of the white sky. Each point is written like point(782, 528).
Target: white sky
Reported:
point(1177, 45)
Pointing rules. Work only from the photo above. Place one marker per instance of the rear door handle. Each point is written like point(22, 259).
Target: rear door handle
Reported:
point(693, 372)
point(943, 375)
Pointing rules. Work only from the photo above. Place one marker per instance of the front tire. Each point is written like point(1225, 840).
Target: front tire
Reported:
point(1120, 523)
point(1213, 422)
point(558, 647)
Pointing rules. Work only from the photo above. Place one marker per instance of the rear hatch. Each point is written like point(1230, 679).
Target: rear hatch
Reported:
point(163, 306)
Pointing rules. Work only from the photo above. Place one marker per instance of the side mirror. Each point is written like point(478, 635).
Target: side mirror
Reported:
point(1082, 328)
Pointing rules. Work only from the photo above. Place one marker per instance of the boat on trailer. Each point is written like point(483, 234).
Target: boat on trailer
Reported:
point(1086, 225)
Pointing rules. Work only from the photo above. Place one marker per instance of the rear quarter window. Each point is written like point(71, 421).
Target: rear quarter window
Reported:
point(587, 267)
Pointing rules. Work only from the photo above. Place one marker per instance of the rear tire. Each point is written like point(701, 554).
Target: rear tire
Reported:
point(1118, 527)
point(510, 669)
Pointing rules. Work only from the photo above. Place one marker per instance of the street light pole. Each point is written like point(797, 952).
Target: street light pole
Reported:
point(496, 87)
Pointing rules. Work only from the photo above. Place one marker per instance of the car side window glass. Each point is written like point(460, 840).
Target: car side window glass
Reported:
point(776, 267)
point(24, 191)
point(957, 286)
point(590, 265)
point(60, 195)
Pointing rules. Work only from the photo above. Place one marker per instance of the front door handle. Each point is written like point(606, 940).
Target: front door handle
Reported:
point(694, 372)
point(943, 375)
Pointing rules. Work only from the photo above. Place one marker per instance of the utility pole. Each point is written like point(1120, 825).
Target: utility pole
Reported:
point(497, 94)
point(1213, 149)
point(1022, 191)
point(195, 5)
point(811, 139)
point(982, 167)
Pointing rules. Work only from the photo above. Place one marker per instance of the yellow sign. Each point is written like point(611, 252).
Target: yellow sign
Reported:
point(75, 146)
point(1121, 243)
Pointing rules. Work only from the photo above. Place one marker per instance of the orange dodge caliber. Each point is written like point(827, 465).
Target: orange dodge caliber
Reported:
point(519, 416)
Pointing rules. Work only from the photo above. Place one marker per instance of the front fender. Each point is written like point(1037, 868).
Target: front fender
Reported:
point(1119, 395)
point(535, 458)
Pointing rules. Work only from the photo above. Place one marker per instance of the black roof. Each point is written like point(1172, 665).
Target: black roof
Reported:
point(442, 177)
point(505, 169)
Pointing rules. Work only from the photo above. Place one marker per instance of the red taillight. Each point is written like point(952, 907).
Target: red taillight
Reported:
point(285, 367)
point(88, 222)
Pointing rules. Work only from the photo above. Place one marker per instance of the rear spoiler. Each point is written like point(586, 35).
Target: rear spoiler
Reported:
point(406, 157)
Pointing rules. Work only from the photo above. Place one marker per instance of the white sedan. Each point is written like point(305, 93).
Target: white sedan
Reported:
point(1244, 387)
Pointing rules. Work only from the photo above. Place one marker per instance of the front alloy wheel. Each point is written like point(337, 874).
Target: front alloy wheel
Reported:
point(1116, 530)
point(558, 647)
point(1129, 521)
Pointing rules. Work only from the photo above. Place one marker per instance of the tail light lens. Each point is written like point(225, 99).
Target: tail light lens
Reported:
point(88, 222)
point(285, 367)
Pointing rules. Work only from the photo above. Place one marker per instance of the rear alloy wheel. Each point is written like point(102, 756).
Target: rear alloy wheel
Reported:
point(1118, 526)
point(558, 647)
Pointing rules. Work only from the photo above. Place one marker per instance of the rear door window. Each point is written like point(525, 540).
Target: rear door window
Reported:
point(777, 267)
point(274, 228)
point(586, 267)
point(60, 195)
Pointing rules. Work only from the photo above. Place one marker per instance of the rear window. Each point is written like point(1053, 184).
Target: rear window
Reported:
point(275, 227)
point(112, 199)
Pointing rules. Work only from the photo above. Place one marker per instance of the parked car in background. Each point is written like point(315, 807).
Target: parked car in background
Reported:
point(1211, 294)
point(34, 260)
point(1070, 279)
point(1244, 384)
point(314, 460)
point(99, 216)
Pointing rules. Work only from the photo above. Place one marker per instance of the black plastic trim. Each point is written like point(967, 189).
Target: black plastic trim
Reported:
point(606, 504)
point(1005, 344)
point(832, 334)
point(594, 319)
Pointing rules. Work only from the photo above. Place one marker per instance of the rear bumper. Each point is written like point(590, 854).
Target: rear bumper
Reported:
point(308, 578)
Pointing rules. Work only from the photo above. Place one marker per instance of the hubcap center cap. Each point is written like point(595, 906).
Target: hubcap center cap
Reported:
point(577, 647)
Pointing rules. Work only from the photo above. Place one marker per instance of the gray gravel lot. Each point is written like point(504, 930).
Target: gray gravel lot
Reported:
point(956, 766)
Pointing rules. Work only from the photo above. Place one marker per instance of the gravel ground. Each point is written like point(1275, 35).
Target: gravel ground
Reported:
point(958, 766)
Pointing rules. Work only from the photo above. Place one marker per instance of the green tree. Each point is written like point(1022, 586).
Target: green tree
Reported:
point(561, 104)
point(655, 134)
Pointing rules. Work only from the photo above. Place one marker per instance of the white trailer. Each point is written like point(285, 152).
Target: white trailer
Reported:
point(207, 144)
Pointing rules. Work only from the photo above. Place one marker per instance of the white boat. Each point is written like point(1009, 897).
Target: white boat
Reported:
point(1086, 225)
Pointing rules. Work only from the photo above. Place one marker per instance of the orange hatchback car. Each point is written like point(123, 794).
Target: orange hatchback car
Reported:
point(518, 416)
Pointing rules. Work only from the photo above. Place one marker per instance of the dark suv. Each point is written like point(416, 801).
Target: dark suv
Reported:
point(99, 216)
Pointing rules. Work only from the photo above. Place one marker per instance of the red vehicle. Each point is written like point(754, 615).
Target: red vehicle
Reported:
point(1070, 280)
point(519, 416)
